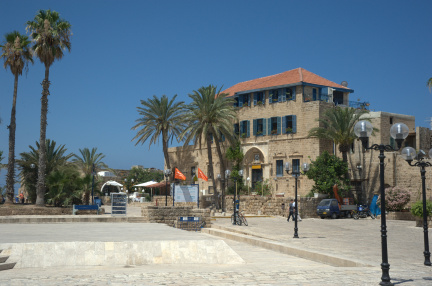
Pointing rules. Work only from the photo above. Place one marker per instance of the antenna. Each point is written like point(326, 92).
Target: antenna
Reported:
point(344, 83)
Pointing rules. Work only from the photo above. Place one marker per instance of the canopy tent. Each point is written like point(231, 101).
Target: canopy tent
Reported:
point(111, 183)
point(158, 185)
point(146, 184)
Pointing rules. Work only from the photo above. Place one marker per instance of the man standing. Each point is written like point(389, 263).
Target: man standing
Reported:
point(291, 210)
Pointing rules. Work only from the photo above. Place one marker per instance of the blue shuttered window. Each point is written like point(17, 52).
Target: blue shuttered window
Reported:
point(255, 126)
point(278, 125)
point(289, 124)
point(244, 129)
point(279, 168)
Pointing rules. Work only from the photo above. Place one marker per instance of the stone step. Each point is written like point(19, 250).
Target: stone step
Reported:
point(7, 266)
point(3, 259)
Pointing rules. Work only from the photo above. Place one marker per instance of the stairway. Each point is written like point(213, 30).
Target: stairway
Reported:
point(5, 265)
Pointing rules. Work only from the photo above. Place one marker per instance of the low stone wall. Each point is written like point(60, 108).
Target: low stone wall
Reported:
point(400, 216)
point(419, 222)
point(169, 215)
point(268, 205)
point(18, 209)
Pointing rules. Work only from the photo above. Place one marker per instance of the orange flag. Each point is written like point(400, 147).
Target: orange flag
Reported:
point(179, 175)
point(201, 175)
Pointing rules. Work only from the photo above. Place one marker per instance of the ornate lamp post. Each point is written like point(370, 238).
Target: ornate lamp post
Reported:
point(296, 173)
point(399, 131)
point(167, 173)
point(409, 154)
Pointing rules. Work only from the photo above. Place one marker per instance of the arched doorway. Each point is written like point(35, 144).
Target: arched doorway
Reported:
point(254, 165)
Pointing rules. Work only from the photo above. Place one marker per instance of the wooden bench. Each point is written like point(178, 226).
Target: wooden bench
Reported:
point(84, 207)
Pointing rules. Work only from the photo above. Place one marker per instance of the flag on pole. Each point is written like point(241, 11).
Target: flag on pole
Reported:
point(201, 175)
point(179, 175)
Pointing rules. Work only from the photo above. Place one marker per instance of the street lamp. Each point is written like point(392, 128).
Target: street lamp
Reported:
point(240, 172)
point(167, 173)
point(296, 173)
point(227, 174)
point(399, 131)
point(409, 154)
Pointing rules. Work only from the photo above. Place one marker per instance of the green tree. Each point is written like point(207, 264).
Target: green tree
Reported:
point(62, 186)
point(235, 155)
point(16, 54)
point(210, 117)
point(326, 171)
point(88, 159)
point(159, 117)
point(28, 164)
point(337, 124)
point(51, 36)
point(141, 175)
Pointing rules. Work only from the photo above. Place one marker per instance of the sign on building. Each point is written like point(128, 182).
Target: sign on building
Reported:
point(186, 194)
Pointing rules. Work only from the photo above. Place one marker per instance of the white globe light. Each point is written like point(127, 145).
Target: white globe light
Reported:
point(408, 153)
point(399, 131)
point(363, 128)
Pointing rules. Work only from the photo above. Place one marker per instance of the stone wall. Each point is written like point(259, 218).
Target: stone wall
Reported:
point(268, 205)
point(169, 215)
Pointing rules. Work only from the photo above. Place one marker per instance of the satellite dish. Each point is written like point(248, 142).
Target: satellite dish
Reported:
point(344, 83)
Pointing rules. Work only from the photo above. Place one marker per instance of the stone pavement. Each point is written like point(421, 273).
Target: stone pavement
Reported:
point(357, 240)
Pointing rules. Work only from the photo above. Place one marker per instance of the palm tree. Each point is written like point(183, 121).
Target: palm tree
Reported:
point(16, 55)
point(89, 160)
point(28, 164)
point(429, 84)
point(159, 116)
point(210, 116)
point(337, 124)
point(51, 35)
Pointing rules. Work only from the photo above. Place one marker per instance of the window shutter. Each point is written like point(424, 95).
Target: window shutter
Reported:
point(255, 127)
point(248, 127)
point(293, 92)
point(282, 95)
point(314, 94)
point(270, 96)
point(255, 98)
point(269, 121)
point(222, 138)
point(264, 126)
point(240, 100)
point(284, 125)
point(249, 99)
point(278, 125)
point(294, 123)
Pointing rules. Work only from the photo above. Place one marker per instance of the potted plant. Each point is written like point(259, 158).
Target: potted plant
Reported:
point(417, 211)
point(243, 135)
point(274, 132)
point(259, 133)
point(259, 102)
point(288, 130)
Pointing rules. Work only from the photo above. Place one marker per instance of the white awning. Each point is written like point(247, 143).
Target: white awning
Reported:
point(146, 184)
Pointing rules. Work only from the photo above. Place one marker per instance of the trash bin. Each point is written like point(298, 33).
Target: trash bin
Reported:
point(98, 202)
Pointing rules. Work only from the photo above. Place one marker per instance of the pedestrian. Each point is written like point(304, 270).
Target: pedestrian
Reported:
point(299, 218)
point(291, 210)
point(21, 197)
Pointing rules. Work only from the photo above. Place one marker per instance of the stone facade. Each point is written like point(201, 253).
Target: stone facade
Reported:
point(264, 152)
point(169, 215)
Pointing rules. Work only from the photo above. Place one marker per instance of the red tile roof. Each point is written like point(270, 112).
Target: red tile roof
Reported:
point(299, 75)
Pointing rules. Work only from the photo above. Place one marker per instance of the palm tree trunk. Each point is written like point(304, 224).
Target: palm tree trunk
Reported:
point(11, 160)
point(222, 170)
point(165, 150)
point(210, 169)
point(40, 190)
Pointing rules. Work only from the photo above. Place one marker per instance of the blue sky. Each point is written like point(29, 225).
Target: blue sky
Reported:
point(125, 51)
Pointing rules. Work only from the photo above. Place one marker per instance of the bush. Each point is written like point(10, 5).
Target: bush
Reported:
point(417, 208)
point(396, 198)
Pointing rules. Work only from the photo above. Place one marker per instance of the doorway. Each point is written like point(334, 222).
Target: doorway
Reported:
point(257, 176)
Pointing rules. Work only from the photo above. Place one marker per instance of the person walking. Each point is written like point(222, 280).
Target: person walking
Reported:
point(298, 213)
point(291, 210)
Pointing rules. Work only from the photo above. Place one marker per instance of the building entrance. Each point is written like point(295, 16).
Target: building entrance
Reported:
point(257, 176)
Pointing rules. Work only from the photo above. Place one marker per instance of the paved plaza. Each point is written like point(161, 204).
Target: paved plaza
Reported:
point(356, 240)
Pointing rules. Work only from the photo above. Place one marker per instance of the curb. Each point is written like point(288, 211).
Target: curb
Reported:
point(282, 248)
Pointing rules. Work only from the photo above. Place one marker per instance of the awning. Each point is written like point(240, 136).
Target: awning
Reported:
point(146, 184)
point(111, 183)
point(256, 166)
point(159, 185)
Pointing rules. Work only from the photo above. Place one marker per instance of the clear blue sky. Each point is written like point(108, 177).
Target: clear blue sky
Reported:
point(125, 51)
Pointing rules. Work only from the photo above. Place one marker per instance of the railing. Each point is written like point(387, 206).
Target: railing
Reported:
point(318, 97)
point(359, 105)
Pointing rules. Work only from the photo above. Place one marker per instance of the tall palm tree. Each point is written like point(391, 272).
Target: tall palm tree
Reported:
point(337, 124)
point(159, 117)
point(51, 35)
point(28, 164)
point(89, 159)
point(16, 54)
point(210, 116)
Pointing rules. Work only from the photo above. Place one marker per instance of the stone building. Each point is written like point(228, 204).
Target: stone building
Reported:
point(275, 114)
